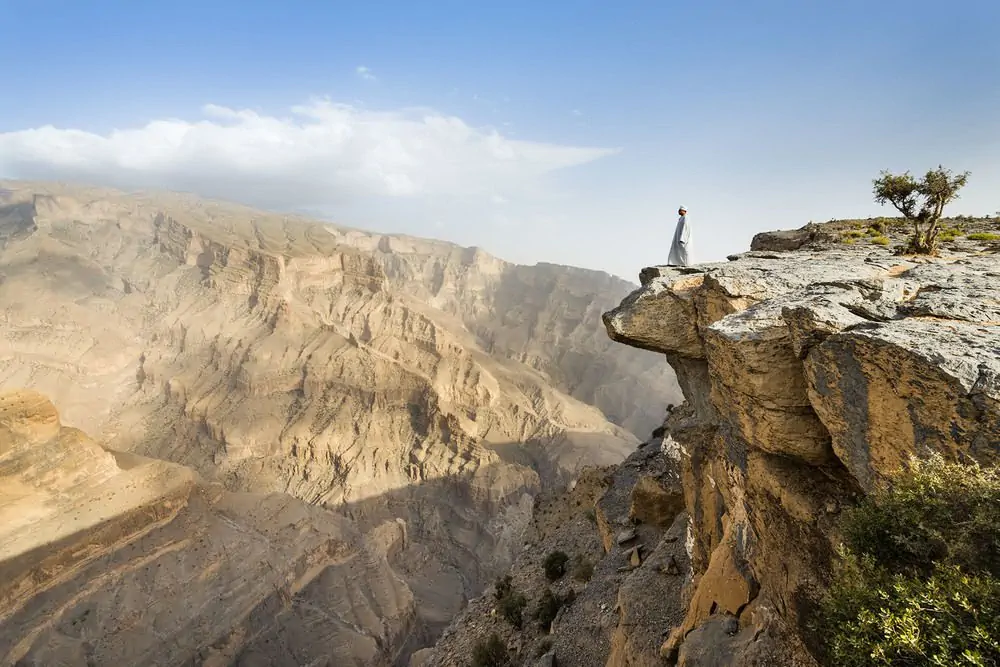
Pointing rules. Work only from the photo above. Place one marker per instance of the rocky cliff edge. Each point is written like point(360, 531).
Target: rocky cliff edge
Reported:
point(811, 369)
point(809, 375)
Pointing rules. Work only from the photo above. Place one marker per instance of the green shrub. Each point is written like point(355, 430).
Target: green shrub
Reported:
point(950, 234)
point(918, 582)
point(938, 511)
point(983, 236)
point(511, 607)
point(491, 652)
point(549, 605)
point(891, 223)
point(502, 587)
point(547, 609)
point(555, 565)
point(880, 240)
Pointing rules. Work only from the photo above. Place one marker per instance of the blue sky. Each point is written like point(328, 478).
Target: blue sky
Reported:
point(542, 131)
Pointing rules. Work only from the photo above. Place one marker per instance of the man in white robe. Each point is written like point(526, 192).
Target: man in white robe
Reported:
point(681, 244)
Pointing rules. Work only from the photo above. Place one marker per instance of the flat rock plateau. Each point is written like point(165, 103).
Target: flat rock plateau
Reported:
point(232, 437)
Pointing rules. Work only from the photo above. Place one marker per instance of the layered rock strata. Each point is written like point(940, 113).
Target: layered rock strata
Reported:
point(116, 559)
point(387, 378)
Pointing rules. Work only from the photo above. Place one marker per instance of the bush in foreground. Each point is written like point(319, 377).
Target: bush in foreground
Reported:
point(919, 578)
point(510, 602)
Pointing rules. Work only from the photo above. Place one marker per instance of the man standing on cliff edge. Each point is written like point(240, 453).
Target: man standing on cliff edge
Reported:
point(682, 241)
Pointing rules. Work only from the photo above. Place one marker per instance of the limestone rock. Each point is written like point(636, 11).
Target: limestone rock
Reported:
point(625, 536)
point(547, 660)
point(726, 587)
point(657, 316)
point(420, 658)
point(720, 642)
point(908, 387)
point(649, 603)
point(634, 556)
point(793, 239)
point(654, 501)
point(810, 369)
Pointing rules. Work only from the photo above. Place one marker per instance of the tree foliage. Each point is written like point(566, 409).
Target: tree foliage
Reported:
point(921, 201)
point(919, 578)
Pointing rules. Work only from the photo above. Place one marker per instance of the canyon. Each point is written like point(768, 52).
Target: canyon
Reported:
point(229, 436)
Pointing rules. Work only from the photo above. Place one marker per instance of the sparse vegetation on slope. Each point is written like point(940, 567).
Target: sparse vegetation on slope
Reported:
point(490, 653)
point(510, 602)
point(555, 565)
point(549, 605)
point(919, 581)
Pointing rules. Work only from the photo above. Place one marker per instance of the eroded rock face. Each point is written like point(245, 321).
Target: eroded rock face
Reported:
point(123, 560)
point(628, 525)
point(808, 375)
point(386, 378)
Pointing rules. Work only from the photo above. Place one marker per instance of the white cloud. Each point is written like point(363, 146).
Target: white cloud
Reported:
point(321, 155)
point(577, 112)
point(365, 73)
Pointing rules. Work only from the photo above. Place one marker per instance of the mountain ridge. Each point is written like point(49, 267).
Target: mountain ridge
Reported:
point(348, 370)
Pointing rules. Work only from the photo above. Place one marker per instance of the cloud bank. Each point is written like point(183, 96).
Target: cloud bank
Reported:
point(320, 155)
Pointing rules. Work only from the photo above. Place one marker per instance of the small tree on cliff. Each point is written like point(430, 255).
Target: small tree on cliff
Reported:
point(921, 202)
